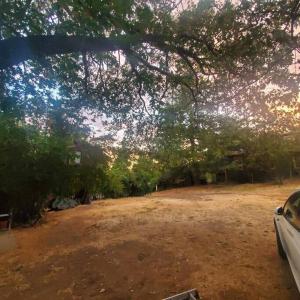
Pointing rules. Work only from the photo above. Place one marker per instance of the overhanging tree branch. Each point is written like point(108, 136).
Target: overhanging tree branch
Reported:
point(17, 49)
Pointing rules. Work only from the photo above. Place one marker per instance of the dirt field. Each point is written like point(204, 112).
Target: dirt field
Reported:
point(219, 240)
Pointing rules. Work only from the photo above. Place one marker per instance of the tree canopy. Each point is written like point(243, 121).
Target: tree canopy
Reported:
point(129, 57)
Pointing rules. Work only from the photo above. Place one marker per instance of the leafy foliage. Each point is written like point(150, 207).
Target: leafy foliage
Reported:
point(34, 165)
point(132, 175)
point(224, 54)
point(191, 147)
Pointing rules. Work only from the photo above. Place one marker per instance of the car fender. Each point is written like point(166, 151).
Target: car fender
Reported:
point(278, 225)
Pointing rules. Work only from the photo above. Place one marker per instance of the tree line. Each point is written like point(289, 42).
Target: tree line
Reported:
point(37, 166)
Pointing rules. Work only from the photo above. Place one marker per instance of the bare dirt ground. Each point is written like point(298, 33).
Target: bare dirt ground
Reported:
point(217, 239)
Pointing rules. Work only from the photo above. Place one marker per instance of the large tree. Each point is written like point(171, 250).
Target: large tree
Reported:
point(127, 56)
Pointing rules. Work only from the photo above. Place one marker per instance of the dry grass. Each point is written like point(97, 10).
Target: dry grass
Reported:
point(218, 239)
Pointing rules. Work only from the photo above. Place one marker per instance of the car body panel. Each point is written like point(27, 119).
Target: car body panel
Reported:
point(290, 240)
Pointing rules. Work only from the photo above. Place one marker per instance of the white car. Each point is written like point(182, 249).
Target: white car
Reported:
point(287, 227)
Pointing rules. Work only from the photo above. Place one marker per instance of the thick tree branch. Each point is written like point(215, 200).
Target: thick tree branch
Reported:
point(18, 49)
point(86, 73)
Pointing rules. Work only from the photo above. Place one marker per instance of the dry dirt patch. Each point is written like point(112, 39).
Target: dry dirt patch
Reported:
point(219, 240)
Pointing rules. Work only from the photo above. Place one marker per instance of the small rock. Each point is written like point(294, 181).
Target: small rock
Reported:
point(18, 268)
point(152, 293)
point(102, 291)
point(141, 256)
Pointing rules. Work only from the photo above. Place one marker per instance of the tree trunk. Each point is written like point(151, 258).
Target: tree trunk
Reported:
point(226, 175)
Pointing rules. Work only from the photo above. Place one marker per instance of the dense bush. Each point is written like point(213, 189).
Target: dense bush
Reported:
point(145, 174)
point(34, 165)
point(132, 176)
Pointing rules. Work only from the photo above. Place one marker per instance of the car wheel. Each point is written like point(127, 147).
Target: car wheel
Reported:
point(281, 251)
